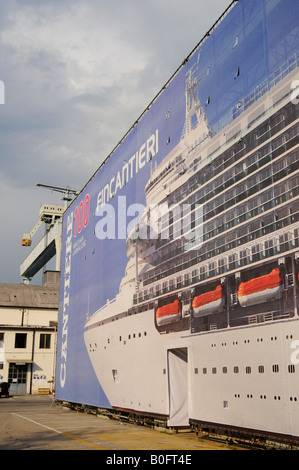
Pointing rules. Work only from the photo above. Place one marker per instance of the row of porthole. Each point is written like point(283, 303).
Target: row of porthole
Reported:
point(134, 335)
point(247, 341)
point(248, 369)
point(264, 397)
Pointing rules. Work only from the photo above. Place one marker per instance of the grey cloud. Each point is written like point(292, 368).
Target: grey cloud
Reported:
point(77, 75)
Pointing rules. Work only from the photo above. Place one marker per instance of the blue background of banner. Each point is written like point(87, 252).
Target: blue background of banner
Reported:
point(266, 32)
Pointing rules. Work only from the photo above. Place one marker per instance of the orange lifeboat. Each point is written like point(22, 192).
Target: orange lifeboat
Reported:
point(209, 302)
point(169, 313)
point(261, 289)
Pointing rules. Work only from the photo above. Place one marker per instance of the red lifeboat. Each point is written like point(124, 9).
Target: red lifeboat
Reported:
point(261, 289)
point(209, 302)
point(169, 313)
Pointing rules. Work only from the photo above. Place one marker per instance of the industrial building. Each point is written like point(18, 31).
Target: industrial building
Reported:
point(28, 331)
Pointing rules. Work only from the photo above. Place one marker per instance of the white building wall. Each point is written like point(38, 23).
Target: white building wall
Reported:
point(38, 355)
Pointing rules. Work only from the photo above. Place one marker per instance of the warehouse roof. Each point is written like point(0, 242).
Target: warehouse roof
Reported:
point(32, 296)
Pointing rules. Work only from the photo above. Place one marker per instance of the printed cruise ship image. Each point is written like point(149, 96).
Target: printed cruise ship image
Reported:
point(204, 328)
point(237, 293)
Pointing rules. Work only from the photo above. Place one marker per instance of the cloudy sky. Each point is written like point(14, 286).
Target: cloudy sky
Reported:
point(77, 75)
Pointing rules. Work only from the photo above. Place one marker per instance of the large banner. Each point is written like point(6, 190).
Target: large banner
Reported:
point(251, 43)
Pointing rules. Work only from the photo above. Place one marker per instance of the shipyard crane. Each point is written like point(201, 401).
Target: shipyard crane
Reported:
point(68, 193)
point(49, 213)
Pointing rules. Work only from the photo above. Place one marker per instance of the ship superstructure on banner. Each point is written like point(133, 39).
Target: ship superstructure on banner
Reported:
point(179, 279)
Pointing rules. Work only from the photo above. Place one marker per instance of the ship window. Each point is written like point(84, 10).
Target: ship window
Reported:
point(280, 189)
point(221, 264)
point(253, 203)
point(251, 160)
point(252, 181)
point(230, 216)
point(241, 188)
point(212, 266)
point(241, 209)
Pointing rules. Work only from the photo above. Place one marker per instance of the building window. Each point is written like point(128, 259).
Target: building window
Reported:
point(45, 341)
point(20, 340)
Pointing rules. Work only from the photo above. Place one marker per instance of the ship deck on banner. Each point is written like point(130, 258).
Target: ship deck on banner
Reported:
point(206, 331)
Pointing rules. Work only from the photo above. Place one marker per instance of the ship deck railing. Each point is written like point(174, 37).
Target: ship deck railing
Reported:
point(262, 317)
point(243, 321)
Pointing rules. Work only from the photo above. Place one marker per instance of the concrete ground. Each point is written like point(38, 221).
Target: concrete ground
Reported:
point(39, 423)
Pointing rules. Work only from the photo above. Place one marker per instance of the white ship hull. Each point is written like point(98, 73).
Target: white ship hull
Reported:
point(134, 373)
